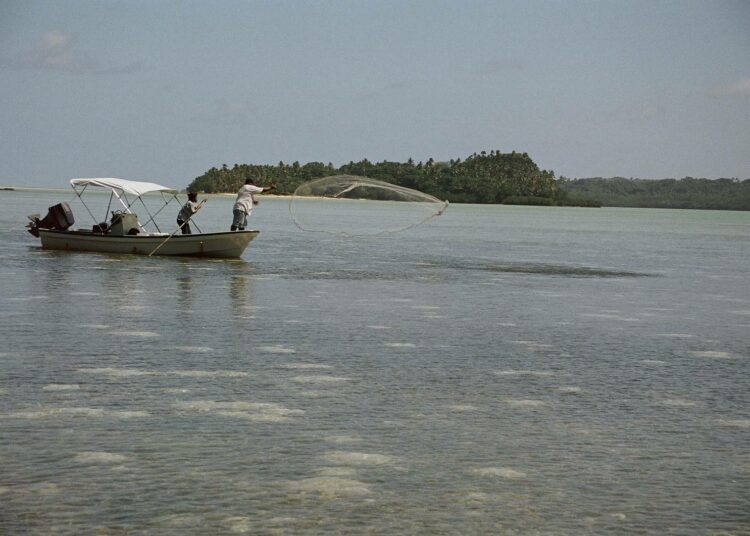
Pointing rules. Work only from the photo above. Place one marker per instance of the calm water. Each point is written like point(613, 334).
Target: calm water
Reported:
point(499, 370)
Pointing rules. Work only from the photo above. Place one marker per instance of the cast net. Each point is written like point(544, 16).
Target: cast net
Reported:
point(348, 205)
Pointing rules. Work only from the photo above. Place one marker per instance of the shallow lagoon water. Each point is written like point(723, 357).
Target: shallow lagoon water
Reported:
point(499, 370)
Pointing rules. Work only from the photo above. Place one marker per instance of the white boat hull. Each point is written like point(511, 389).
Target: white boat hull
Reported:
point(221, 245)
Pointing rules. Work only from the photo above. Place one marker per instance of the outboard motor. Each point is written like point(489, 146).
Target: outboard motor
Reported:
point(59, 217)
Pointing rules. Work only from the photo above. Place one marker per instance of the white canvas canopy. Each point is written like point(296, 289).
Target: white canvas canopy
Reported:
point(120, 189)
point(122, 186)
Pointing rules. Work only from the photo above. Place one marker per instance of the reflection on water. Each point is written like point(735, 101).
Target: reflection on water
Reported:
point(185, 294)
point(241, 291)
point(445, 382)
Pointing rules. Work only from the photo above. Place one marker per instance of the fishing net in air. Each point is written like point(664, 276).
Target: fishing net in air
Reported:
point(348, 205)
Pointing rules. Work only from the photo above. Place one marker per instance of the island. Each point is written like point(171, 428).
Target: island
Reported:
point(493, 177)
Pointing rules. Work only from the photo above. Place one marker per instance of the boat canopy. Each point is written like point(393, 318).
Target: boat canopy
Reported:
point(121, 189)
point(122, 186)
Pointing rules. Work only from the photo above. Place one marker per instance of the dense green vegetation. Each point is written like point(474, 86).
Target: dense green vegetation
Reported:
point(494, 177)
point(723, 194)
point(481, 178)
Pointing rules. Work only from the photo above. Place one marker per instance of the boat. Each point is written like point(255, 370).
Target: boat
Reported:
point(123, 232)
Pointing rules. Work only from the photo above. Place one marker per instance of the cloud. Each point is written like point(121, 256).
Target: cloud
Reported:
point(57, 51)
point(230, 108)
point(396, 86)
point(232, 112)
point(225, 112)
point(740, 87)
point(501, 65)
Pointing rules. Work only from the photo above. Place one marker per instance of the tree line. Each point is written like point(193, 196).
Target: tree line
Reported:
point(689, 192)
point(493, 177)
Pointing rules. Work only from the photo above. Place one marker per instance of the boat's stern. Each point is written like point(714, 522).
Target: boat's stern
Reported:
point(59, 217)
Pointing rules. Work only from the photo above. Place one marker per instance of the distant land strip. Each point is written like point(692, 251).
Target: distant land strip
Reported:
point(494, 178)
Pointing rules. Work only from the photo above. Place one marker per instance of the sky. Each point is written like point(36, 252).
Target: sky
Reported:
point(164, 90)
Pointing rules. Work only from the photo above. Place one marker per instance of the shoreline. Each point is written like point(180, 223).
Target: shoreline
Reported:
point(50, 189)
point(5, 188)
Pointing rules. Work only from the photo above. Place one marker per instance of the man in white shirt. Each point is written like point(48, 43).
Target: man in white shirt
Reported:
point(243, 205)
